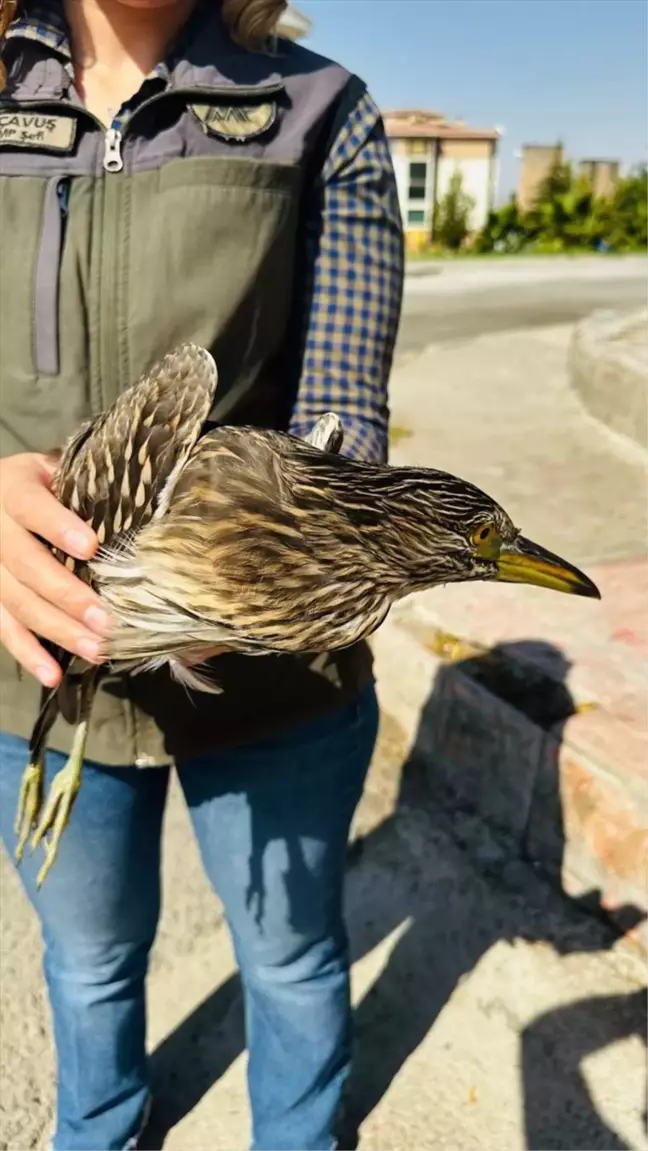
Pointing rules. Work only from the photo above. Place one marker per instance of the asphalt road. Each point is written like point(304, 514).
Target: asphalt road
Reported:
point(452, 304)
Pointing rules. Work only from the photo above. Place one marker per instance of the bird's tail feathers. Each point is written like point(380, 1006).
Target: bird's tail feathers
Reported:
point(189, 677)
point(192, 679)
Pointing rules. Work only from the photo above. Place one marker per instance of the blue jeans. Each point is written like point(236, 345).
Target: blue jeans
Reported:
point(272, 823)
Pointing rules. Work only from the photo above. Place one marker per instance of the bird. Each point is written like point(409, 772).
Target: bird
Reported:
point(247, 540)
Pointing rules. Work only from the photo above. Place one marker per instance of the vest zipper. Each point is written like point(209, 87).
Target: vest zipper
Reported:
point(48, 276)
point(113, 161)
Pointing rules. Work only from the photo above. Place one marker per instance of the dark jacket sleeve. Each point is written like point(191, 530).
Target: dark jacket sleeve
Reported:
point(350, 294)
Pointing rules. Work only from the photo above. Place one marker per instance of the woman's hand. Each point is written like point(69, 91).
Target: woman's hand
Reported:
point(37, 593)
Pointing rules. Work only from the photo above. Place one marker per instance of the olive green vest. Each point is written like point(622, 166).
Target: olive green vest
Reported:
point(114, 250)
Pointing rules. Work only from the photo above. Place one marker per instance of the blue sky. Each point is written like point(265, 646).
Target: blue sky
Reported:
point(543, 69)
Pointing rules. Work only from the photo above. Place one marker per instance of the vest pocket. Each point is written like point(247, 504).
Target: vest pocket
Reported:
point(48, 270)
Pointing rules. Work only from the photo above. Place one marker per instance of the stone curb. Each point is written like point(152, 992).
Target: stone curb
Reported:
point(609, 370)
point(553, 804)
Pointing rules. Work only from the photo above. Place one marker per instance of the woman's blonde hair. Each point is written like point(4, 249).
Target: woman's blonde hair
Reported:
point(251, 22)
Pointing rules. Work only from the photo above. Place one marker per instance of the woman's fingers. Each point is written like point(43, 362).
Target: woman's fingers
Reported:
point(43, 618)
point(38, 594)
point(27, 651)
point(29, 502)
point(34, 567)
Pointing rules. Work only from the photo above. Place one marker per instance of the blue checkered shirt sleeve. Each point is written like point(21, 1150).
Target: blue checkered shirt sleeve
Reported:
point(353, 288)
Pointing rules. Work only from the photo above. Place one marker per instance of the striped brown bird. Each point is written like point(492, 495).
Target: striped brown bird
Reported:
point(252, 541)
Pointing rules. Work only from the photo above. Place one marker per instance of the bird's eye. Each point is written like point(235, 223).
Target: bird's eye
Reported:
point(486, 541)
point(484, 533)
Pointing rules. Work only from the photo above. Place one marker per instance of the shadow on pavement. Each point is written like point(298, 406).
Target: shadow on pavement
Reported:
point(585, 1027)
point(448, 922)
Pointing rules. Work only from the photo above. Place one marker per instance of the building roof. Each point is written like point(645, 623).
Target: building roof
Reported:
point(416, 123)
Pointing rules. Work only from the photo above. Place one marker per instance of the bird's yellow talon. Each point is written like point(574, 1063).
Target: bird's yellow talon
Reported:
point(29, 805)
point(61, 797)
point(50, 856)
point(60, 800)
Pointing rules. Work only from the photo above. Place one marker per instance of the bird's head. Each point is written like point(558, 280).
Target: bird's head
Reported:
point(456, 533)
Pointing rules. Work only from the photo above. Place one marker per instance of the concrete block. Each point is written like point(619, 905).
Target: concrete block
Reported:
point(494, 736)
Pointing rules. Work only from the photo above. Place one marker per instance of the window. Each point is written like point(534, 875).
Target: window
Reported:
point(415, 216)
point(417, 180)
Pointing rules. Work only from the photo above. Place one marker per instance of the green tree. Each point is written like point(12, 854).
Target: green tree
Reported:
point(566, 216)
point(503, 231)
point(624, 219)
point(562, 216)
point(452, 215)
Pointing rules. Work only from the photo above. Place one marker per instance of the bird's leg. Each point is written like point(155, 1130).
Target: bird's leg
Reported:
point(29, 802)
point(60, 799)
point(30, 799)
point(65, 786)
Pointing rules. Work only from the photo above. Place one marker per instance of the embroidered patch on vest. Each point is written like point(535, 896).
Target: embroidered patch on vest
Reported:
point(32, 130)
point(237, 122)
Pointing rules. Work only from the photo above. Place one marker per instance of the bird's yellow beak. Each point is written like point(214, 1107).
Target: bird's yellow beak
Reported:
point(526, 562)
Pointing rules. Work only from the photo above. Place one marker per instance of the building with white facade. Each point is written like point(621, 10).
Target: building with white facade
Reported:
point(426, 151)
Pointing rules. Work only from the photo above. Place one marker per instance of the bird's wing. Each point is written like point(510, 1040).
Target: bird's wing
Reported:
point(114, 469)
